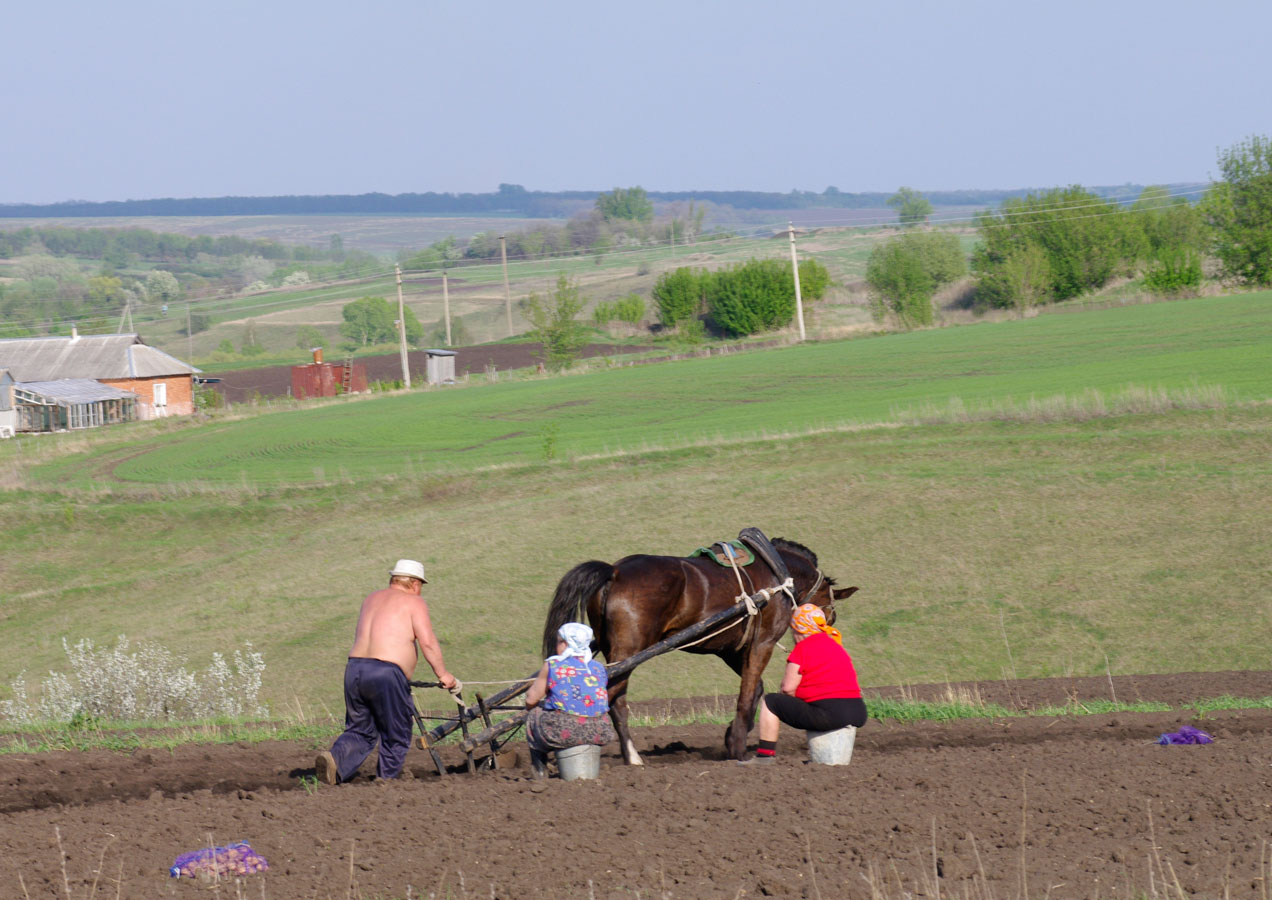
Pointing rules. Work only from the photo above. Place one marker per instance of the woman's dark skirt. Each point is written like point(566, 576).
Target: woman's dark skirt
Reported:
point(556, 729)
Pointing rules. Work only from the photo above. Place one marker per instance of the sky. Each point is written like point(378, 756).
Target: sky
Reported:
point(139, 99)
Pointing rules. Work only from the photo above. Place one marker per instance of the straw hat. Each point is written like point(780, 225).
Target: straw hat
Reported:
point(409, 568)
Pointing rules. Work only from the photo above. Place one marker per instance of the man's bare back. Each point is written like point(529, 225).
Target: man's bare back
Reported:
point(389, 625)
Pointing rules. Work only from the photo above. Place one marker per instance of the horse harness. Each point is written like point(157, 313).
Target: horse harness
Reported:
point(786, 588)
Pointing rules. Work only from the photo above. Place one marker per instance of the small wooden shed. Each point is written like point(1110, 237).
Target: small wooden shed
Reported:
point(440, 366)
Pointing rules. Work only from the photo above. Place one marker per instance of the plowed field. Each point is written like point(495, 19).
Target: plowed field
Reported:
point(1063, 806)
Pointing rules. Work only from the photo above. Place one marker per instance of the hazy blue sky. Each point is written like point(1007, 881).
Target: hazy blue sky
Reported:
point(137, 99)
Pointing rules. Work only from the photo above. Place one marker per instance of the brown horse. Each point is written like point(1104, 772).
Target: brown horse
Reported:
point(639, 600)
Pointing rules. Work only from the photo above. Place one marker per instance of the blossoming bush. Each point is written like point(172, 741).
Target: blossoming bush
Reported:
point(146, 683)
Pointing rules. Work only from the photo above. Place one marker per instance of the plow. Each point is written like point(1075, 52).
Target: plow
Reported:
point(484, 749)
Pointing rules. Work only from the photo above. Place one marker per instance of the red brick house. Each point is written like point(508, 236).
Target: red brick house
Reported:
point(93, 379)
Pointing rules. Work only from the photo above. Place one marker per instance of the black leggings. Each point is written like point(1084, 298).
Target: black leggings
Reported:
point(820, 715)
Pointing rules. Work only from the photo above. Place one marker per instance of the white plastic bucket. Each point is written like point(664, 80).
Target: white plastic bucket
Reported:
point(832, 748)
point(579, 763)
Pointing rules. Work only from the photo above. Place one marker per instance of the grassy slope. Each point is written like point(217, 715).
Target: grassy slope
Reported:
point(1212, 342)
point(983, 550)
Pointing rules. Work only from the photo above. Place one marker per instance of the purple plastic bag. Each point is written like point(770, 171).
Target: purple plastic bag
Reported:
point(231, 861)
point(1186, 735)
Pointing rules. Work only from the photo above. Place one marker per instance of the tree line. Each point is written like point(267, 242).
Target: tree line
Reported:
point(618, 219)
point(510, 199)
point(116, 245)
point(1050, 246)
point(91, 275)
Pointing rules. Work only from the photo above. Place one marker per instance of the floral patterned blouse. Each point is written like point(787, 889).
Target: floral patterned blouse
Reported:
point(577, 687)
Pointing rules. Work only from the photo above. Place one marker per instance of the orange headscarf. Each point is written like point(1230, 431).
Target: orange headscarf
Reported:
point(809, 619)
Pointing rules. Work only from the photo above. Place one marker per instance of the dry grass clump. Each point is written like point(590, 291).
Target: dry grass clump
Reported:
point(1090, 404)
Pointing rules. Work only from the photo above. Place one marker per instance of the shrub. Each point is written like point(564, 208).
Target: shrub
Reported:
point(553, 321)
point(308, 337)
point(754, 296)
point(251, 345)
point(679, 295)
point(629, 309)
point(459, 333)
point(1173, 272)
point(604, 313)
point(373, 320)
point(941, 253)
point(813, 279)
point(207, 398)
point(148, 683)
point(1239, 209)
point(900, 284)
point(1086, 239)
point(905, 272)
point(692, 332)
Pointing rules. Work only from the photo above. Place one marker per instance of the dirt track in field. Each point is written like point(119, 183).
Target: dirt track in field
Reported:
point(920, 805)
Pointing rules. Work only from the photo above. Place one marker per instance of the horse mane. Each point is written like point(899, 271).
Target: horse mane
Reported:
point(800, 550)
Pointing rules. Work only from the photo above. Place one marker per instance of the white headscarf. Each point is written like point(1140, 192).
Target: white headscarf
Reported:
point(578, 639)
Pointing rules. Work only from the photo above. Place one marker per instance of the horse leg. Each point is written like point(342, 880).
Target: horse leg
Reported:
point(618, 715)
point(750, 666)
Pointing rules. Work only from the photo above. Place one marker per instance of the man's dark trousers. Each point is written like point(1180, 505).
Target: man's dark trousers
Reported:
point(377, 707)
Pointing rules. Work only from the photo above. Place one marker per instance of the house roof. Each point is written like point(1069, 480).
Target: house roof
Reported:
point(94, 356)
point(66, 391)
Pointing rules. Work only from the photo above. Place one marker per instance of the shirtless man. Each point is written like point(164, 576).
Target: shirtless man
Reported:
point(378, 702)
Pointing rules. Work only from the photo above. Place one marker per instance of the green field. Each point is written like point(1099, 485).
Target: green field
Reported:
point(797, 389)
point(1047, 540)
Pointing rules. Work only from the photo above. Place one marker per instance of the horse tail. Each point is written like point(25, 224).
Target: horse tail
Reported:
point(569, 603)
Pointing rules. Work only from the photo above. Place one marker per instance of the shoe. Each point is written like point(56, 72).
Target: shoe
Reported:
point(758, 761)
point(538, 765)
point(325, 768)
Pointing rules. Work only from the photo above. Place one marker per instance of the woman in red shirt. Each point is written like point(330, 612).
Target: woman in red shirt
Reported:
point(819, 688)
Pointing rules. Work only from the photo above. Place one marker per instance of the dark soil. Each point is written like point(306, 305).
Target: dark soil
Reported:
point(275, 381)
point(1097, 802)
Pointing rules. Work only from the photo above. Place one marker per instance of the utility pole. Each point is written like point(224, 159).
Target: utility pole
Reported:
point(406, 372)
point(673, 237)
point(189, 337)
point(503, 255)
point(446, 306)
point(799, 302)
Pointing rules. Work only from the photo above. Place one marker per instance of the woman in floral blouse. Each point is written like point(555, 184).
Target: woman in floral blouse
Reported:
point(568, 701)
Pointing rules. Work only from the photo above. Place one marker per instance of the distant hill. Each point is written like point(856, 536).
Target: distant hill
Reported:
point(510, 200)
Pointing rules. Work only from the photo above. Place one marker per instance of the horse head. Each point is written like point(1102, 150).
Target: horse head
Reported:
point(812, 585)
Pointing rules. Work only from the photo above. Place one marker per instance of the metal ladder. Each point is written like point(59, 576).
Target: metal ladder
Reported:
point(346, 379)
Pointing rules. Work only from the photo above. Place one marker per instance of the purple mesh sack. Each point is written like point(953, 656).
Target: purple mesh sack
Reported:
point(232, 861)
point(1186, 735)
